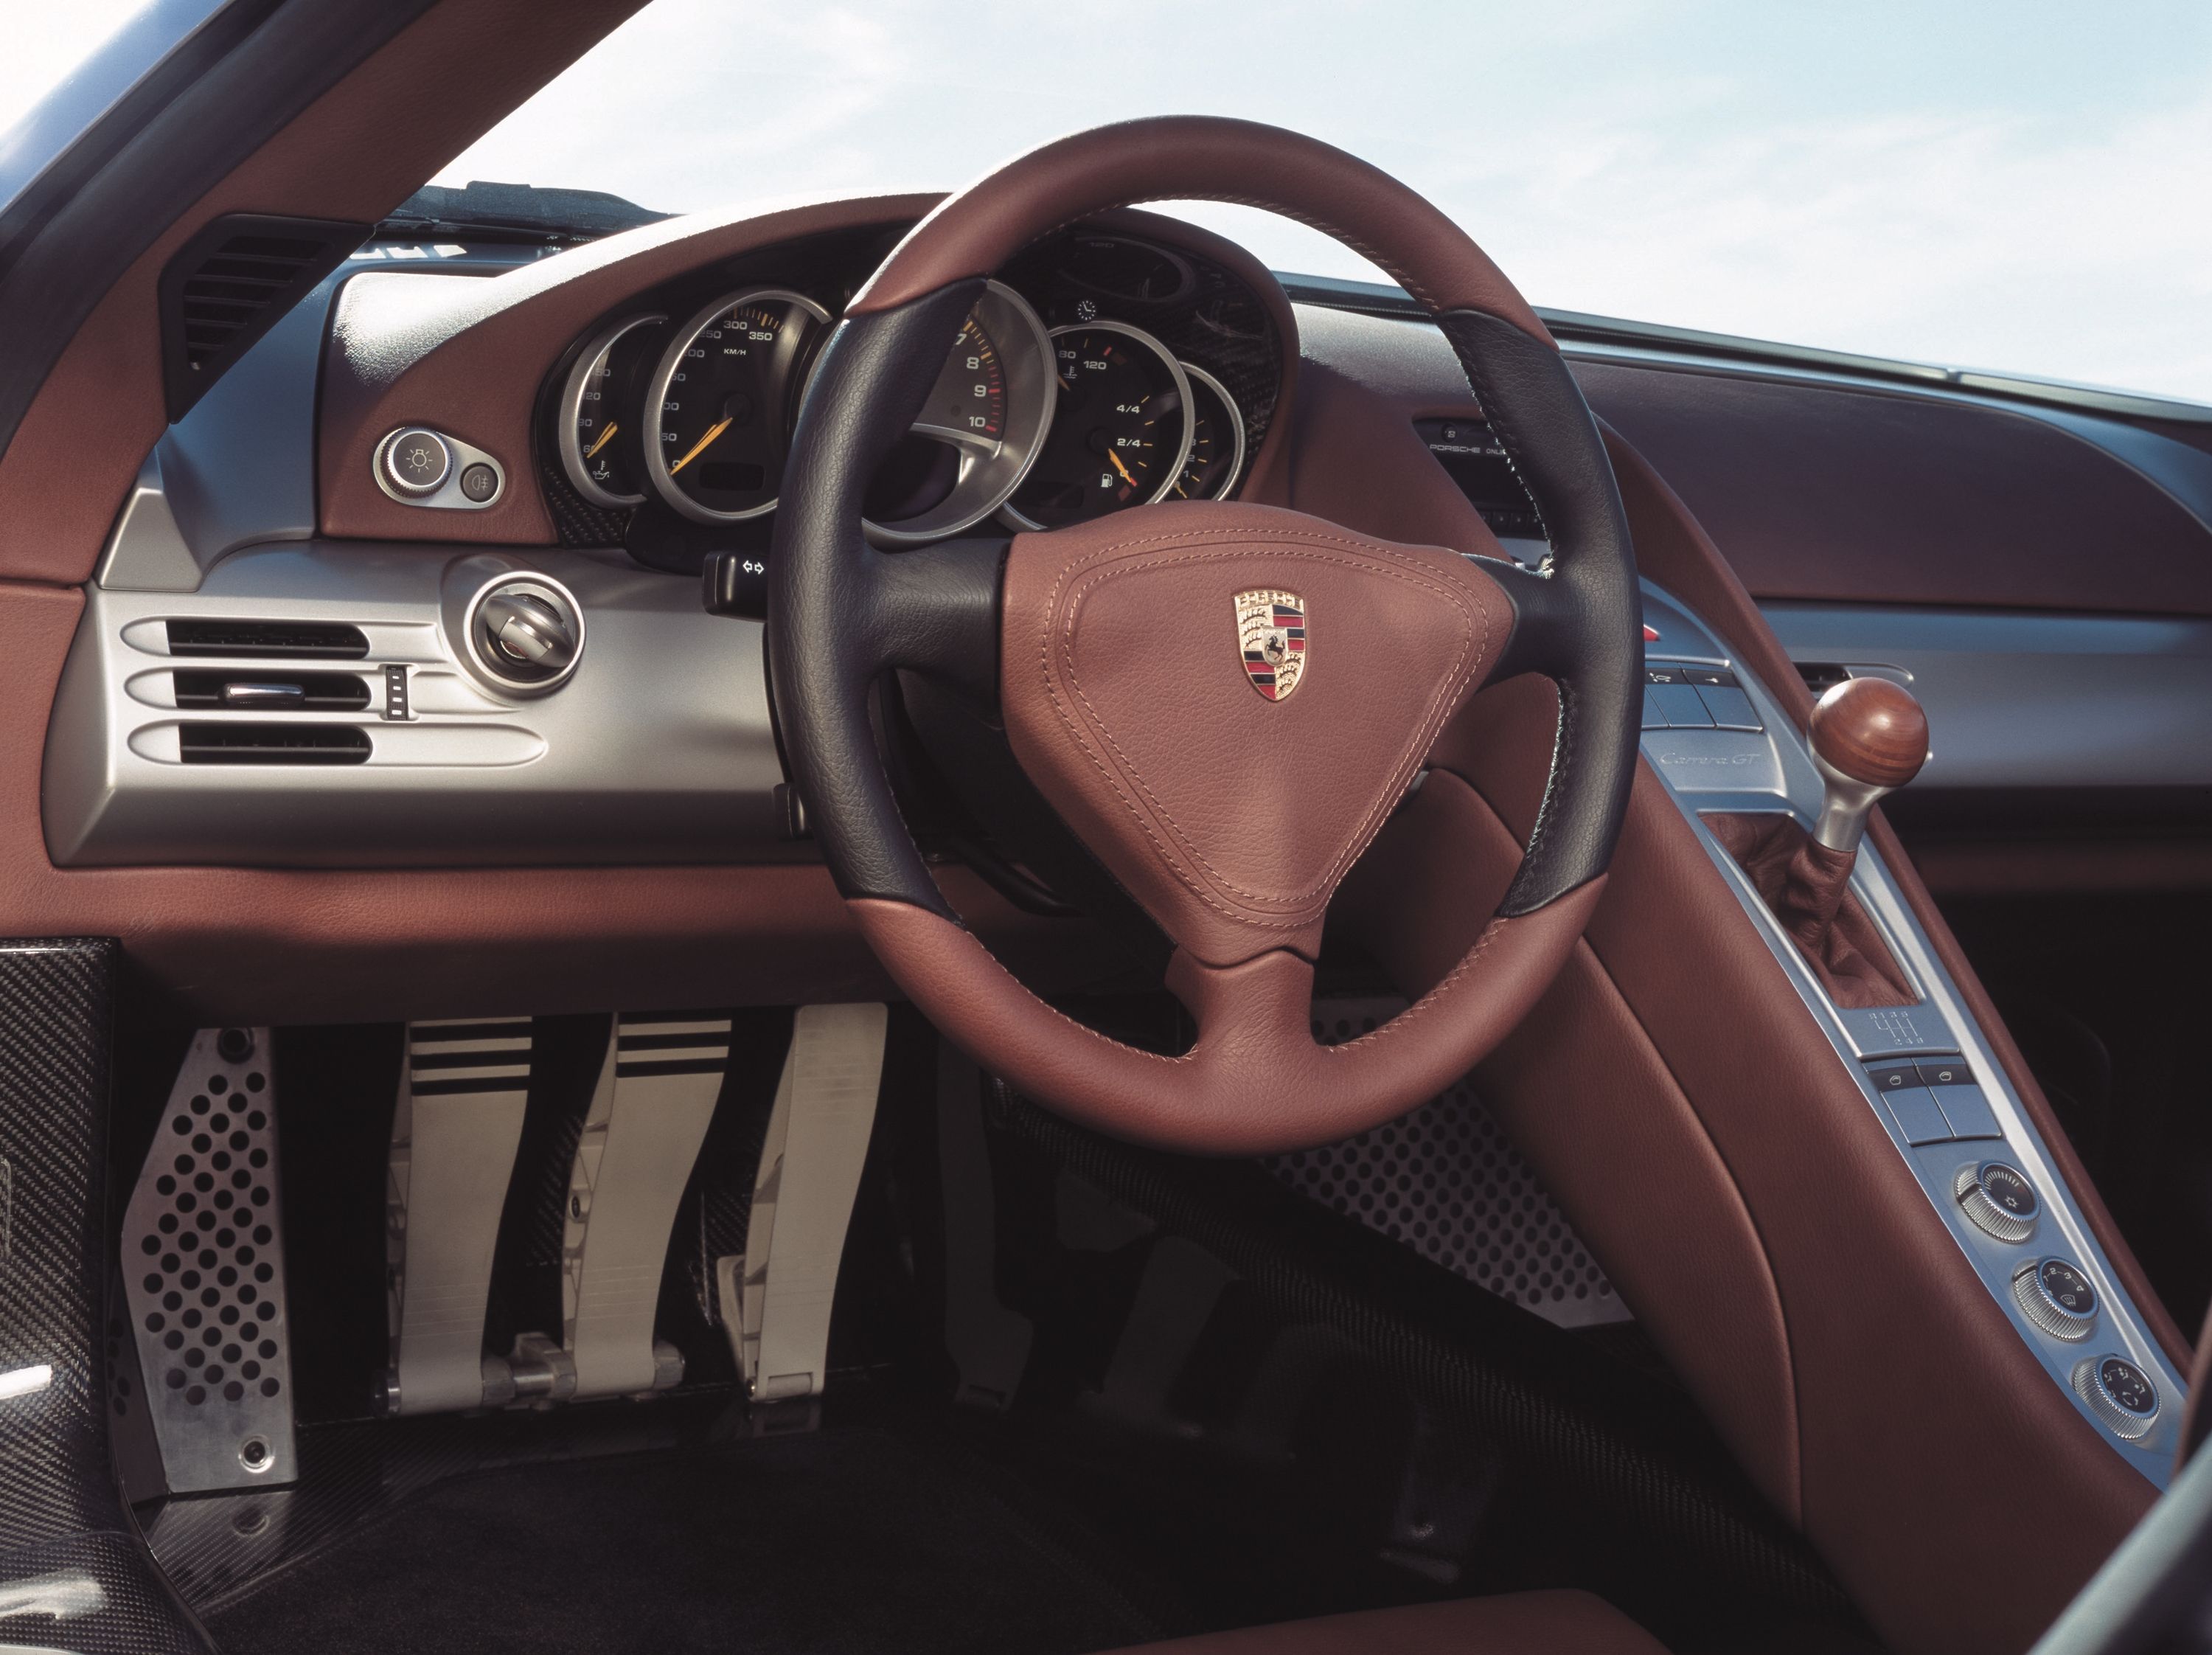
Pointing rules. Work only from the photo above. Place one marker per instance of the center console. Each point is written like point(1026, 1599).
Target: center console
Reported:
point(1724, 750)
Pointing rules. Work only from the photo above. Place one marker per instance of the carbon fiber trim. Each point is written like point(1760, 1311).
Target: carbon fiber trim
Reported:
point(73, 1574)
point(217, 1548)
point(91, 1594)
point(56, 1005)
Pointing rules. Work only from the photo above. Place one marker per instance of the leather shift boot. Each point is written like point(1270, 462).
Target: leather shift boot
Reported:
point(1807, 885)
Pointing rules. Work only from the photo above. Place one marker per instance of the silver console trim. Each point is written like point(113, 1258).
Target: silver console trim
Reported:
point(1774, 771)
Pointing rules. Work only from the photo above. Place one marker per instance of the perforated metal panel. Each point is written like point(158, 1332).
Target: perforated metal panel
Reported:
point(203, 1261)
point(1445, 1181)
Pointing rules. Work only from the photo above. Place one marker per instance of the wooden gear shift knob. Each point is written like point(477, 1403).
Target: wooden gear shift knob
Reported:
point(1872, 731)
point(1868, 737)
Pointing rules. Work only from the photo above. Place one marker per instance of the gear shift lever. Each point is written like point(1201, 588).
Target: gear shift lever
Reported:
point(1870, 738)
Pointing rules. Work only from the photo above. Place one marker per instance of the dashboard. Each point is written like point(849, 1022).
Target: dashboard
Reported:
point(464, 627)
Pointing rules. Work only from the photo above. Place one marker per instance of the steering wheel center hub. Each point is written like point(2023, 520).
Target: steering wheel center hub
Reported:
point(1132, 646)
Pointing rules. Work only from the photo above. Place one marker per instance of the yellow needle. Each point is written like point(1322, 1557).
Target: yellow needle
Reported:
point(1119, 467)
point(602, 440)
point(718, 427)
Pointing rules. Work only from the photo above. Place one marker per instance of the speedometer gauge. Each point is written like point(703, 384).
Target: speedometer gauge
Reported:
point(719, 414)
point(1217, 441)
point(1122, 434)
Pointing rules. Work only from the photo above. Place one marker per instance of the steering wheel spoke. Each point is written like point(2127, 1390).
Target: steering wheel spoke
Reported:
point(934, 610)
point(1546, 627)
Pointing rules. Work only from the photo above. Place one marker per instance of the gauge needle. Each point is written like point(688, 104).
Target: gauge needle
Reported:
point(714, 431)
point(602, 441)
point(1119, 467)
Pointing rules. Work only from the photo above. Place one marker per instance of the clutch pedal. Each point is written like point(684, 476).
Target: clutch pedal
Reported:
point(454, 1130)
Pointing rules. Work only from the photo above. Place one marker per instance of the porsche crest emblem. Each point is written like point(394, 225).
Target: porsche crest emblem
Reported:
point(1271, 632)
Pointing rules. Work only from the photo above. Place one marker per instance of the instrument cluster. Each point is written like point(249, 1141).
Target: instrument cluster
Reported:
point(1101, 371)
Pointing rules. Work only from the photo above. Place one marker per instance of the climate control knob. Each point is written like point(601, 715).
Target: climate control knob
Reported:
point(1999, 1201)
point(2120, 1394)
point(2056, 1296)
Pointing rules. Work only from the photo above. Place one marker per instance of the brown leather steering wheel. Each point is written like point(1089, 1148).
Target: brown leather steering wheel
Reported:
point(1224, 703)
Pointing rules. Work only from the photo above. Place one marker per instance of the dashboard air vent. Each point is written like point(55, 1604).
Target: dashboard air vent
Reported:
point(294, 639)
point(230, 283)
point(272, 743)
point(265, 691)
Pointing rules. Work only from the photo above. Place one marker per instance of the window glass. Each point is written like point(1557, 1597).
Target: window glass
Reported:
point(2016, 185)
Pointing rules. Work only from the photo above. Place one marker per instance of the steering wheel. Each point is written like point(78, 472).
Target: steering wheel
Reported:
point(1224, 702)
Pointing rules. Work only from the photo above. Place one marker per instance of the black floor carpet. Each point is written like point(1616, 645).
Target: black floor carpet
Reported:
point(848, 1542)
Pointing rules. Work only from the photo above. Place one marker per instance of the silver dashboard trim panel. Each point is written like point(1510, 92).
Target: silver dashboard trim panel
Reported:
point(659, 749)
point(2025, 700)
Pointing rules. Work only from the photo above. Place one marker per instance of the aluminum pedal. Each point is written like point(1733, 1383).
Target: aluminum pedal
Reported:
point(776, 1298)
point(454, 1131)
point(656, 1095)
point(202, 1259)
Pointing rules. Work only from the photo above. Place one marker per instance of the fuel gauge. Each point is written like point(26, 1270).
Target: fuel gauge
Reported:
point(593, 450)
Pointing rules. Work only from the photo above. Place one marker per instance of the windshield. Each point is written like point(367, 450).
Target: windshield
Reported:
point(2021, 185)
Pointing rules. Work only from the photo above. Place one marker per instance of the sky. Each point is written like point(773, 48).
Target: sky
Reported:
point(2014, 184)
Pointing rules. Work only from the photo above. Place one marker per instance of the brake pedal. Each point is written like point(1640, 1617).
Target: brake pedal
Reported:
point(204, 1272)
point(656, 1095)
point(775, 1297)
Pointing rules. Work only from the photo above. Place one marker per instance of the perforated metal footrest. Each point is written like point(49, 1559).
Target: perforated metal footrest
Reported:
point(1445, 1181)
point(203, 1262)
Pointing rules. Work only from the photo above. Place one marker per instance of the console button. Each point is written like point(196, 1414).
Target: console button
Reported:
point(1892, 1077)
point(1999, 1200)
point(1716, 675)
point(1731, 708)
point(1679, 703)
point(1665, 673)
point(479, 481)
point(1914, 1110)
point(1945, 1072)
point(2057, 1297)
point(1967, 1109)
point(2120, 1394)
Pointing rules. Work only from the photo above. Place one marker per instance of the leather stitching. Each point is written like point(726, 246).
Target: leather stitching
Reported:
point(1409, 570)
point(1427, 1001)
point(1406, 763)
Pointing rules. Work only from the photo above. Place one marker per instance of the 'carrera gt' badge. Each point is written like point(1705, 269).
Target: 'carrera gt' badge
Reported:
point(1271, 630)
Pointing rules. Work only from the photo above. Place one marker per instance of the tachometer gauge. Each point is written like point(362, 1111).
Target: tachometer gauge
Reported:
point(718, 415)
point(1217, 441)
point(594, 451)
point(1121, 435)
point(980, 429)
